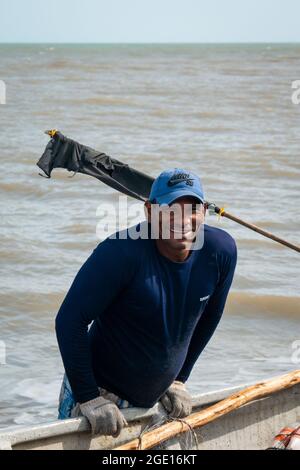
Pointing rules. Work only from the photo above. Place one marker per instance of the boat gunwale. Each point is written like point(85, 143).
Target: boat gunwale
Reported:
point(17, 435)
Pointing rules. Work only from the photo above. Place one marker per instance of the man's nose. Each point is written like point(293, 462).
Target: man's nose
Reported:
point(183, 223)
point(185, 219)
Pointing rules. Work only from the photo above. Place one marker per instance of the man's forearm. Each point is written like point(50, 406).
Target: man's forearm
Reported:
point(95, 286)
point(73, 343)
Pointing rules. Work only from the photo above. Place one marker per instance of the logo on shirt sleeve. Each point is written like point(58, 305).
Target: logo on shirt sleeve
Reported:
point(204, 298)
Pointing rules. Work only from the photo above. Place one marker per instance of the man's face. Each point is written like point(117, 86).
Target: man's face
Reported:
point(178, 223)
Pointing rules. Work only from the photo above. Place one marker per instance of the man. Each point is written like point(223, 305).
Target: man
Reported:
point(154, 303)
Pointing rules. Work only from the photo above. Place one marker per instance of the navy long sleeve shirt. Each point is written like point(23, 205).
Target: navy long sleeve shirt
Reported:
point(151, 316)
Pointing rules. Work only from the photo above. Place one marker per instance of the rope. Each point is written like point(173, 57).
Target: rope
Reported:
point(165, 420)
point(150, 427)
point(192, 431)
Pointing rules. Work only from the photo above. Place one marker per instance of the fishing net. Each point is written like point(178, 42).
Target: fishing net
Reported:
point(184, 441)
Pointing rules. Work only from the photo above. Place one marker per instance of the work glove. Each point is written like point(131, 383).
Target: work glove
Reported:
point(104, 416)
point(177, 401)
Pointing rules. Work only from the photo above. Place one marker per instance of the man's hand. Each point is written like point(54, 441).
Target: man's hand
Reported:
point(177, 400)
point(104, 416)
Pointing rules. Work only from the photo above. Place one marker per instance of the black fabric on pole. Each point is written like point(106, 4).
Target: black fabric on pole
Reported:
point(62, 152)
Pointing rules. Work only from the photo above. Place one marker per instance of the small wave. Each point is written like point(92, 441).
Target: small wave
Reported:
point(109, 100)
point(38, 391)
point(211, 130)
point(244, 303)
point(78, 229)
point(160, 113)
point(59, 64)
point(205, 115)
point(102, 101)
point(259, 242)
point(16, 304)
point(266, 224)
point(22, 189)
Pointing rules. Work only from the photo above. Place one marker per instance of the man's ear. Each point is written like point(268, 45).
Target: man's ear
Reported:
point(147, 210)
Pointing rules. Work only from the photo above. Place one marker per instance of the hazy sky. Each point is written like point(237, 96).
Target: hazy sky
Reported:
point(150, 21)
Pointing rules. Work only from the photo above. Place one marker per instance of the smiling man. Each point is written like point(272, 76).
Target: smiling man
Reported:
point(153, 304)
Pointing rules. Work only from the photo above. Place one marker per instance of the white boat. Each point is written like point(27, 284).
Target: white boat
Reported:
point(253, 426)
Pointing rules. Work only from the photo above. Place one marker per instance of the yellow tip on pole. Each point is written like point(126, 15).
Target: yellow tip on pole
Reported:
point(221, 213)
point(51, 132)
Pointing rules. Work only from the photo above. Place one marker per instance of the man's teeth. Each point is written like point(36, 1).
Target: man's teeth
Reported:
point(182, 231)
point(187, 235)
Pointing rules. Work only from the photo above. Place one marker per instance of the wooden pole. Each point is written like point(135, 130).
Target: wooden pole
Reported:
point(195, 420)
point(211, 207)
point(253, 227)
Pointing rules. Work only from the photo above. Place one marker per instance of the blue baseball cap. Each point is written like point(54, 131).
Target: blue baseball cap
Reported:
point(174, 183)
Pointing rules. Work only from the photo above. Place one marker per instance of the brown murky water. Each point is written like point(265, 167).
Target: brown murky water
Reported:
point(224, 112)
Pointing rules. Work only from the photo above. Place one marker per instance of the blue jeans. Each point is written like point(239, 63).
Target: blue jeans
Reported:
point(67, 401)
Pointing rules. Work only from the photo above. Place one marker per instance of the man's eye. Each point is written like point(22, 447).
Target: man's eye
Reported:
point(196, 209)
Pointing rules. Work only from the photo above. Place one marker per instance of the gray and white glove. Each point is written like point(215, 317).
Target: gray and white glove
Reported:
point(104, 416)
point(177, 401)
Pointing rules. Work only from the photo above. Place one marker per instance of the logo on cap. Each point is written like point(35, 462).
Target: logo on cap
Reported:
point(181, 178)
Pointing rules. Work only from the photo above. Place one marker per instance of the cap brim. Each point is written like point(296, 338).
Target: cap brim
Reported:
point(172, 196)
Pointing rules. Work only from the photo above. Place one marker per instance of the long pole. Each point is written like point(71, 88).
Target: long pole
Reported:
point(136, 179)
point(223, 213)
